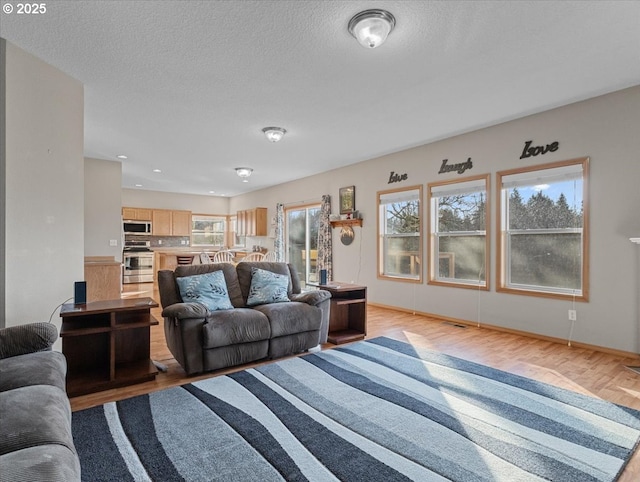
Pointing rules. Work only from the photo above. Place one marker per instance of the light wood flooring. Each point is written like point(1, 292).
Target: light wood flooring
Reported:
point(594, 373)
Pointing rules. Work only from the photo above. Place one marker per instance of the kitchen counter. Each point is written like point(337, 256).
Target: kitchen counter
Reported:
point(172, 257)
point(103, 275)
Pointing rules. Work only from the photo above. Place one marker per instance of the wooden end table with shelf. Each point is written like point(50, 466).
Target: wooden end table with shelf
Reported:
point(107, 344)
point(348, 315)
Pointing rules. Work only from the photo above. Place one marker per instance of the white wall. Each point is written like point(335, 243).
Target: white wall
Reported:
point(102, 208)
point(604, 128)
point(44, 186)
point(140, 198)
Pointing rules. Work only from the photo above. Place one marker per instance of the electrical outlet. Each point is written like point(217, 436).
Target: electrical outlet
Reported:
point(113, 242)
point(572, 315)
point(159, 241)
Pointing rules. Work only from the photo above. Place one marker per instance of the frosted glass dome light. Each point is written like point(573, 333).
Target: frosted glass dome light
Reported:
point(372, 27)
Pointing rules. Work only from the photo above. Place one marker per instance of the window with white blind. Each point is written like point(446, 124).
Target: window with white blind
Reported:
point(544, 230)
point(400, 234)
point(208, 230)
point(458, 241)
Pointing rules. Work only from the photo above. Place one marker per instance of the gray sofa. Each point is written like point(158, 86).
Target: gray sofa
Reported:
point(203, 340)
point(36, 443)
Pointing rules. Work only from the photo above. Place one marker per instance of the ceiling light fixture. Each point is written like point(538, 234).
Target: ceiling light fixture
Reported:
point(274, 134)
point(372, 27)
point(121, 156)
point(244, 173)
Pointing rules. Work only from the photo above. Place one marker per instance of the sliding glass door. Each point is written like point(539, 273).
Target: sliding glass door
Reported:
point(302, 241)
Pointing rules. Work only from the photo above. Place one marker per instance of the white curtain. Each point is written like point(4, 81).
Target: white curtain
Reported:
point(325, 248)
point(278, 243)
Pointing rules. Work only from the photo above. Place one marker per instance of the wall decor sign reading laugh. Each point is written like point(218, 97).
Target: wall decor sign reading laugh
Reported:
point(459, 168)
point(530, 151)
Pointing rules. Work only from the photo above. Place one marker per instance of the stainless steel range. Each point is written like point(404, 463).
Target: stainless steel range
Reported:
point(138, 262)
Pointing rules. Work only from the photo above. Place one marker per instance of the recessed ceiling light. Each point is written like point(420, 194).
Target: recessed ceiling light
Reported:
point(122, 156)
point(138, 185)
point(212, 192)
point(157, 170)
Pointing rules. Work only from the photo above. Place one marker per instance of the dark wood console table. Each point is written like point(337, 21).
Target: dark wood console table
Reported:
point(348, 315)
point(107, 344)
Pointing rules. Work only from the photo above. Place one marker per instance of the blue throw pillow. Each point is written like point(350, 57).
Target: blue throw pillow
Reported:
point(267, 287)
point(210, 289)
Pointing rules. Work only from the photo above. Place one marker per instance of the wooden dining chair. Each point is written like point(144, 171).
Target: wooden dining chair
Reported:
point(253, 257)
point(223, 257)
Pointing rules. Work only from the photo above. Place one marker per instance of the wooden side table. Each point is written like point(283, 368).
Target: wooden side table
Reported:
point(348, 315)
point(107, 344)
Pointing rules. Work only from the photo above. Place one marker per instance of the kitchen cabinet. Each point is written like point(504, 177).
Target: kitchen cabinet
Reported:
point(171, 223)
point(252, 222)
point(136, 214)
point(181, 223)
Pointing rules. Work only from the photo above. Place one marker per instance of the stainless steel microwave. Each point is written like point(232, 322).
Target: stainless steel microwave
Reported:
point(136, 227)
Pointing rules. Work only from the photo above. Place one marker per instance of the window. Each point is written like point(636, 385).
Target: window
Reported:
point(208, 230)
point(400, 234)
point(302, 241)
point(234, 239)
point(543, 230)
point(458, 241)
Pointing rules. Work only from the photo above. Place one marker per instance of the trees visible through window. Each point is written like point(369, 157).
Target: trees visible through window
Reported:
point(458, 241)
point(543, 224)
point(302, 240)
point(207, 230)
point(400, 234)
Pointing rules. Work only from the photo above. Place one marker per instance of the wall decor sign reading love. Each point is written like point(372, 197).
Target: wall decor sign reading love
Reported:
point(395, 177)
point(530, 151)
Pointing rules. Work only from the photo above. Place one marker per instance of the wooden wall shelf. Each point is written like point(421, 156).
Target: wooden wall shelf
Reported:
point(346, 222)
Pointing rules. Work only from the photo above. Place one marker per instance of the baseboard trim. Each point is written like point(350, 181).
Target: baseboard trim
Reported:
point(575, 344)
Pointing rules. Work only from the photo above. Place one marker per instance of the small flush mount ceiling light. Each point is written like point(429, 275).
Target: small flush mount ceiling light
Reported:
point(274, 134)
point(122, 156)
point(371, 27)
point(244, 173)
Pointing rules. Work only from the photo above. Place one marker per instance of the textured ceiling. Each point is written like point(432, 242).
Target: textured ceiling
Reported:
point(187, 86)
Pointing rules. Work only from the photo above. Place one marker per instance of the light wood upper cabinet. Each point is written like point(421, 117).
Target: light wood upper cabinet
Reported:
point(252, 222)
point(181, 223)
point(161, 222)
point(137, 214)
point(171, 223)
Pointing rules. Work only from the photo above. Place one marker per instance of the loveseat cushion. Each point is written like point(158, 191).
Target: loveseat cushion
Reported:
point(33, 416)
point(28, 338)
point(170, 293)
point(267, 287)
point(291, 318)
point(43, 463)
point(41, 368)
point(231, 327)
point(210, 289)
point(244, 271)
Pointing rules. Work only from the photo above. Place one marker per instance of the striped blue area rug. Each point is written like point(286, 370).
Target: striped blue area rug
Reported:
point(376, 410)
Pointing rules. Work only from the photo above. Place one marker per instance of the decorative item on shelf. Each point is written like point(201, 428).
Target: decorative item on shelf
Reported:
point(274, 134)
point(334, 217)
point(347, 200)
point(372, 27)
